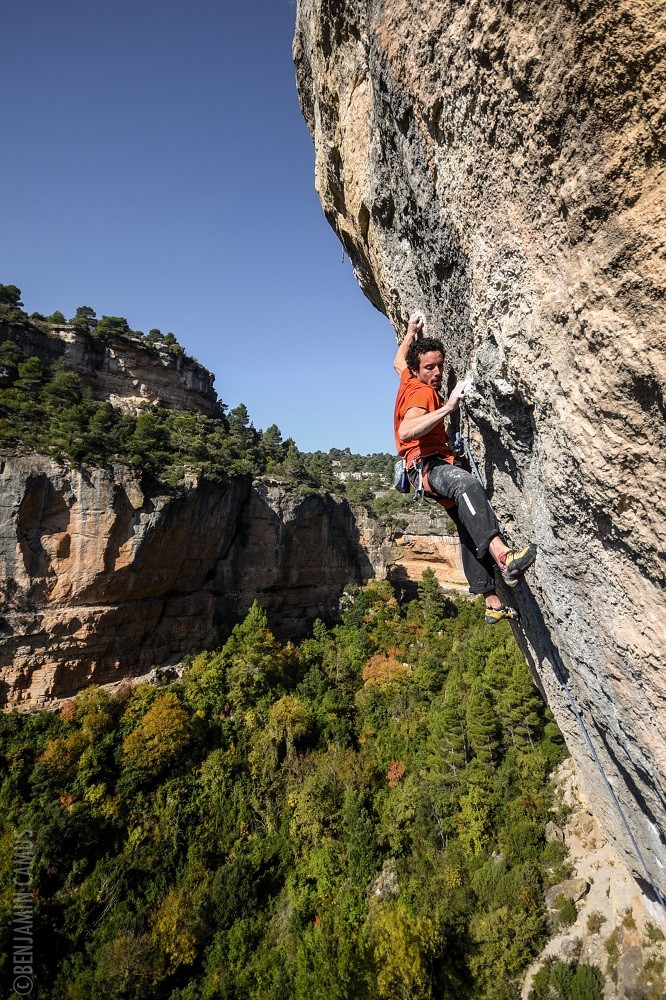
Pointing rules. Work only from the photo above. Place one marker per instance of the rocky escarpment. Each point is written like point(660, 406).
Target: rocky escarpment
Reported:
point(615, 928)
point(501, 166)
point(423, 542)
point(119, 370)
point(103, 575)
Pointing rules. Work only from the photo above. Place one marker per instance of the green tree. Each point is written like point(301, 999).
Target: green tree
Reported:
point(356, 490)
point(84, 319)
point(474, 821)
point(31, 375)
point(432, 600)
point(56, 318)
point(148, 445)
point(520, 706)
point(112, 326)
point(170, 342)
point(10, 296)
point(558, 980)
point(244, 440)
point(272, 446)
point(403, 945)
point(448, 743)
point(293, 467)
point(10, 353)
point(159, 739)
point(481, 720)
point(254, 658)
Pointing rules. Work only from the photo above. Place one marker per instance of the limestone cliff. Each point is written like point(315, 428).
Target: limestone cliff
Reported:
point(425, 543)
point(104, 575)
point(121, 371)
point(500, 165)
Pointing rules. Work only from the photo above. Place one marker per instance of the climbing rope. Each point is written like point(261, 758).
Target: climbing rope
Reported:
point(560, 673)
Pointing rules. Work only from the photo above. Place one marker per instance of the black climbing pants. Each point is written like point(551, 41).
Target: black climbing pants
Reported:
point(473, 517)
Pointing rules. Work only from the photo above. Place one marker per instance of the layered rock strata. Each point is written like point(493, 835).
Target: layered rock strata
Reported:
point(501, 166)
point(120, 371)
point(425, 543)
point(103, 576)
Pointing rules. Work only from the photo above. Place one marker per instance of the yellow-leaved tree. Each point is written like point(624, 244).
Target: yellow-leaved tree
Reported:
point(402, 945)
point(161, 735)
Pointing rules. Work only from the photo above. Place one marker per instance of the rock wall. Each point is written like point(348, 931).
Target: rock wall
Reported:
point(120, 371)
point(103, 576)
point(500, 165)
point(425, 543)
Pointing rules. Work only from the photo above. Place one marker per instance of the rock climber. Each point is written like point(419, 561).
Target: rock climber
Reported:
point(423, 443)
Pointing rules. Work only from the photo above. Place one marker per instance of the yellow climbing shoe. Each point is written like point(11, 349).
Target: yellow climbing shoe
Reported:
point(499, 614)
point(516, 563)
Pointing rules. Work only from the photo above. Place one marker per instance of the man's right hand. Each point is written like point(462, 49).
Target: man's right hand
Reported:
point(414, 327)
point(415, 324)
point(457, 393)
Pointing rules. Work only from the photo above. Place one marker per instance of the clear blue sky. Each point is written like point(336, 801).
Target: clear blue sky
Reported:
point(156, 166)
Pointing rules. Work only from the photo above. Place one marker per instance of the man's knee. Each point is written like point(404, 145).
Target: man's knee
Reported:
point(473, 496)
point(451, 482)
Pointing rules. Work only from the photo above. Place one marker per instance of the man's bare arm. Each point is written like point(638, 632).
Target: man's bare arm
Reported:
point(414, 327)
point(417, 421)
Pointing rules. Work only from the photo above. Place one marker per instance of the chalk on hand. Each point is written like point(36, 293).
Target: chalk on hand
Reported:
point(468, 384)
point(416, 316)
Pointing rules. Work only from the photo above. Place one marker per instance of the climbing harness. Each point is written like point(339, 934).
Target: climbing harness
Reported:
point(421, 484)
point(560, 673)
point(414, 479)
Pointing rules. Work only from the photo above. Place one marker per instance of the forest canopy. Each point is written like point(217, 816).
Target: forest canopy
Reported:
point(359, 816)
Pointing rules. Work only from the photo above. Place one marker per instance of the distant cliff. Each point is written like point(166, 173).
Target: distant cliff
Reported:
point(501, 166)
point(107, 571)
point(424, 542)
point(119, 370)
point(104, 575)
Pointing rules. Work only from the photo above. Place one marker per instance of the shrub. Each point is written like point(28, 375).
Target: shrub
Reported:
point(566, 911)
point(595, 921)
point(557, 980)
point(160, 737)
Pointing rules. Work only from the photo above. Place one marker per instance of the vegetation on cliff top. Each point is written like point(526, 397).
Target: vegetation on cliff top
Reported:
point(84, 320)
point(47, 408)
point(361, 816)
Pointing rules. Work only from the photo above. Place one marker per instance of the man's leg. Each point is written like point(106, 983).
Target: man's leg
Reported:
point(478, 517)
point(469, 496)
point(478, 572)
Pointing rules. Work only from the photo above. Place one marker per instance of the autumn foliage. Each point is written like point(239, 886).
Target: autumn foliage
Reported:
point(356, 818)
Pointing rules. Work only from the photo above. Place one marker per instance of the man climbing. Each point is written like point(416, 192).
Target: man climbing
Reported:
point(423, 443)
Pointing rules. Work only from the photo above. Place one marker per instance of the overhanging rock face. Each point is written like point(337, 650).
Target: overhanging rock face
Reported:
point(501, 166)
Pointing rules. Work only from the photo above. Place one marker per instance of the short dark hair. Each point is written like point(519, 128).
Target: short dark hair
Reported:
point(419, 347)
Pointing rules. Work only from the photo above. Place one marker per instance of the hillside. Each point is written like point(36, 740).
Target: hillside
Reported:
point(360, 816)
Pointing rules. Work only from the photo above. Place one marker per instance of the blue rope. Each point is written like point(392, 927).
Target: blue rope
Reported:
point(559, 670)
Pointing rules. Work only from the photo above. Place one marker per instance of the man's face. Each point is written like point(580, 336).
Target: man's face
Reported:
point(430, 369)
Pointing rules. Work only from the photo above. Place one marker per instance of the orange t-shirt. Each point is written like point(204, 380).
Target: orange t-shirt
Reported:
point(436, 442)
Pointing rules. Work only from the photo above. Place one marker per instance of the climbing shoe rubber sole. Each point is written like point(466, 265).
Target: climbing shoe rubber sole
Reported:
point(502, 613)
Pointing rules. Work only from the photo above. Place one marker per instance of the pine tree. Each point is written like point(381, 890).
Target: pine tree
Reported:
point(254, 659)
point(481, 723)
point(432, 601)
point(448, 746)
point(520, 707)
point(272, 446)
